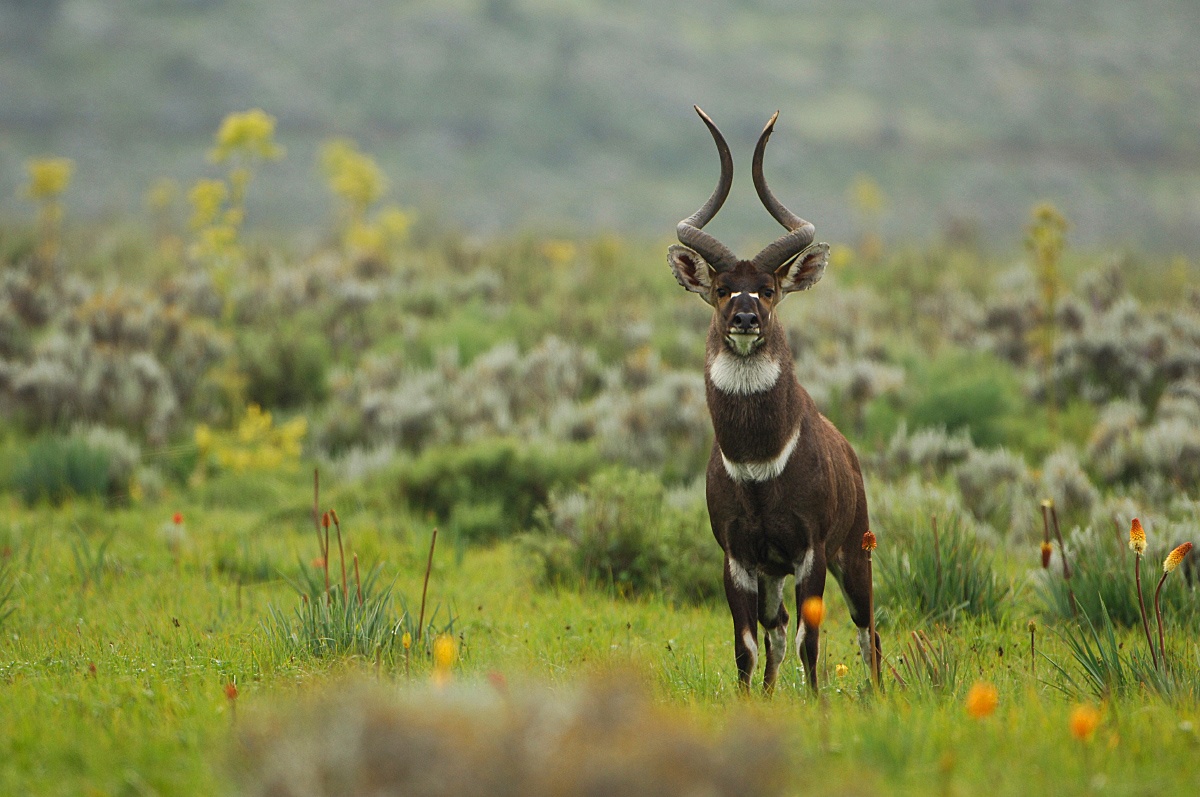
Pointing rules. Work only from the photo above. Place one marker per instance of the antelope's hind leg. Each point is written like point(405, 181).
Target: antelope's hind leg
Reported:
point(854, 577)
point(774, 619)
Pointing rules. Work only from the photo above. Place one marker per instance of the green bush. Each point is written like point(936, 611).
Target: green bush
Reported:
point(491, 488)
point(57, 467)
point(621, 532)
point(960, 390)
point(940, 574)
point(285, 369)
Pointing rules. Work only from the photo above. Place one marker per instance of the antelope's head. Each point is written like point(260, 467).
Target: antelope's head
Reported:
point(744, 293)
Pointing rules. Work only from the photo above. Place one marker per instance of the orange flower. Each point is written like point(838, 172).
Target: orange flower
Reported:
point(177, 518)
point(1137, 537)
point(1176, 556)
point(325, 520)
point(445, 651)
point(813, 611)
point(868, 542)
point(982, 700)
point(231, 691)
point(1047, 549)
point(1083, 722)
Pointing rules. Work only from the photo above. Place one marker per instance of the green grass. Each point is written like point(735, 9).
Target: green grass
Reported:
point(116, 684)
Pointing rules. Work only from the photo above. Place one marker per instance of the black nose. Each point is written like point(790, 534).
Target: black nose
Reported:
point(746, 321)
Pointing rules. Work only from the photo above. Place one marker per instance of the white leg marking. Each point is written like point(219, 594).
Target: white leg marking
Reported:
point(772, 590)
point(751, 647)
point(742, 578)
point(778, 648)
point(864, 644)
point(800, 639)
point(805, 568)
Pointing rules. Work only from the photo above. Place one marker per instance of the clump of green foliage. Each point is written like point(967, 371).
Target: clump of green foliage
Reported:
point(1102, 581)
point(286, 369)
point(940, 574)
point(620, 532)
point(57, 467)
point(491, 488)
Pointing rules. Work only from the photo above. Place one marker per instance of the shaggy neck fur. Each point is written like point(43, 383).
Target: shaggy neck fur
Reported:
point(743, 376)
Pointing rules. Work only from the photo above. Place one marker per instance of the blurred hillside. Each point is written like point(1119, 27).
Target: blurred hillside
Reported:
point(574, 115)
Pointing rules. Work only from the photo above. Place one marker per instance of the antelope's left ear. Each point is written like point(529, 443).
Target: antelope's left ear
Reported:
point(691, 270)
point(802, 272)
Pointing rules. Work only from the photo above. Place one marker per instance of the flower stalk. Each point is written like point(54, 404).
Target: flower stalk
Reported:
point(425, 587)
point(1137, 543)
point(1172, 561)
point(868, 544)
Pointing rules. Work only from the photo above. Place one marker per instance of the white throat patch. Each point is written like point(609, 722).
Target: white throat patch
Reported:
point(761, 471)
point(743, 376)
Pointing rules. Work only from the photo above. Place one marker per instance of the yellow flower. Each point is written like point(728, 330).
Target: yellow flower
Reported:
point(1083, 722)
point(207, 197)
point(48, 177)
point(353, 176)
point(840, 257)
point(161, 194)
point(395, 223)
point(406, 640)
point(1137, 537)
point(250, 133)
point(203, 437)
point(364, 238)
point(558, 252)
point(841, 670)
point(982, 700)
point(1176, 556)
point(867, 195)
point(813, 611)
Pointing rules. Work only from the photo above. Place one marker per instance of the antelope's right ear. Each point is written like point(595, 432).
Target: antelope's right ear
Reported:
point(691, 271)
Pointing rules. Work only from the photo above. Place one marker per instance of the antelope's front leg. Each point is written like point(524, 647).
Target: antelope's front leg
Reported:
point(774, 619)
point(741, 590)
point(810, 583)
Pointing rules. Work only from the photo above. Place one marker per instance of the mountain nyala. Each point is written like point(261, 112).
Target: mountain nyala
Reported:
point(784, 488)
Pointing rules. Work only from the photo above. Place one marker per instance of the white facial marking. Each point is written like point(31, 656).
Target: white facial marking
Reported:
point(761, 471)
point(742, 578)
point(735, 295)
point(751, 646)
point(754, 295)
point(864, 644)
point(805, 568)
point(744, 343)
point(743, 376)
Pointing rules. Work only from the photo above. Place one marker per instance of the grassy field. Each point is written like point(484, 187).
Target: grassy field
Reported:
point(115, 666)
point(174, 619)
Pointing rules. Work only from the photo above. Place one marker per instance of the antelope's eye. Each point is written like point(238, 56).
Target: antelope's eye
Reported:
point(722, 292)
point(767, 293)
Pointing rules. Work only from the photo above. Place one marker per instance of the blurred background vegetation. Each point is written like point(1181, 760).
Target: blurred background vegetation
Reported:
point(572, 116)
